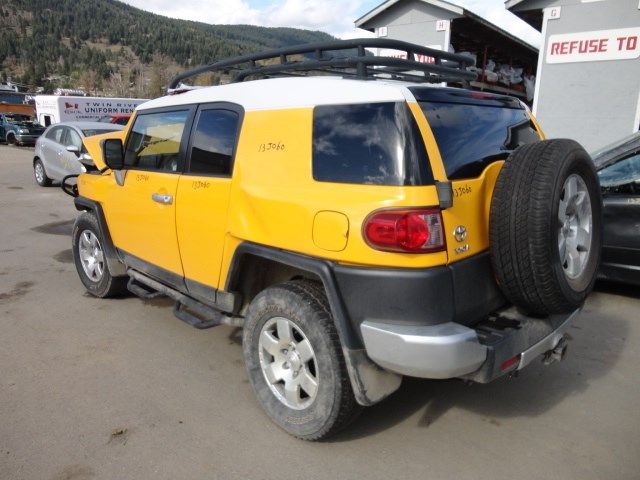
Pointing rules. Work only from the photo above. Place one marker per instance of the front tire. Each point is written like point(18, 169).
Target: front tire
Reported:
point(90, 259)
point(11, 139)
point(294, 361)
point(40, 174)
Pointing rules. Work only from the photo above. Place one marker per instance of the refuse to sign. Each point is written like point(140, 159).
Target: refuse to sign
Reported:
point(619, 44)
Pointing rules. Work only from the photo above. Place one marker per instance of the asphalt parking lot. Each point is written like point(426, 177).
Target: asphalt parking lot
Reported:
point(120, 389)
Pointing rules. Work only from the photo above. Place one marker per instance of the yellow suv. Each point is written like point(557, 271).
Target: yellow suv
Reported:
point(361, 225)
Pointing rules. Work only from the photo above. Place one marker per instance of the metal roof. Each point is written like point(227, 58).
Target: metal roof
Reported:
point(450, 7)
point(389, 3)
point(509, 4)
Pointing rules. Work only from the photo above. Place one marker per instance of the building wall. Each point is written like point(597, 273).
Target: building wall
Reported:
point(593, 102)
point(414, 22)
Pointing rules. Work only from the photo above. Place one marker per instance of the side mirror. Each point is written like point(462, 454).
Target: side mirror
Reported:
point(113, 153)
point(74, 149)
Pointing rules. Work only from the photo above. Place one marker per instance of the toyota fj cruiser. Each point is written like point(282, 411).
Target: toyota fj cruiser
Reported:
point(360, 224)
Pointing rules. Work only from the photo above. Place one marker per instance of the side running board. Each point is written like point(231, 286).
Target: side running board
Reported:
point(187, 309)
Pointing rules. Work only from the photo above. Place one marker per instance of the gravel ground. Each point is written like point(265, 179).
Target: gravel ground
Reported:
point(120, 389)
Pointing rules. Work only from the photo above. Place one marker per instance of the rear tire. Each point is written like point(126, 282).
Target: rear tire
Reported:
point(90, 259)
point(294, 360)
point(40, 174)
point(545, 227)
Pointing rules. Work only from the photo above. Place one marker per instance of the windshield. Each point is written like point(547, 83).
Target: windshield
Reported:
point(471, 136)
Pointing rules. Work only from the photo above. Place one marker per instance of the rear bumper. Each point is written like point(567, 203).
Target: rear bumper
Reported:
point(463, 292)
point(451, 350)
point(431, 351)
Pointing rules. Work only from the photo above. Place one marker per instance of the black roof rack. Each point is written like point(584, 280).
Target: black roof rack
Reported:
point(334, 57)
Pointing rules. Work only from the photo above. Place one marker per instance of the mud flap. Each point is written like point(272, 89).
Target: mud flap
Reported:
point(370, 383)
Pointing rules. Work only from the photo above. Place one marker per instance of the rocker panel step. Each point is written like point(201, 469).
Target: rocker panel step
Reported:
point(187, 309)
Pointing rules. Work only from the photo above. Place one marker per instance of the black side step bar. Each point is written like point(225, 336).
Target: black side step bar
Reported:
point(187, 309)
point(141, 290)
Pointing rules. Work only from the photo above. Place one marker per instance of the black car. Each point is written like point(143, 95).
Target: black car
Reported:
point(618, 168)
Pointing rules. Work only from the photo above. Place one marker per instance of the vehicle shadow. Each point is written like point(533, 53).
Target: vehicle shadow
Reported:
point(616, 288)
point(596, 341)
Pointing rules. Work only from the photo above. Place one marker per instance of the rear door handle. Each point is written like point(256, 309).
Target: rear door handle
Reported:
point(160, 198)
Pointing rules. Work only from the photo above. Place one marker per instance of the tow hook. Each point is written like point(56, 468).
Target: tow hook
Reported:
point(557, 353)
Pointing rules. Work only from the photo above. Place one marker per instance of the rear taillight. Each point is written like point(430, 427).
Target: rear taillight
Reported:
point(507, 364)
point(405, 230)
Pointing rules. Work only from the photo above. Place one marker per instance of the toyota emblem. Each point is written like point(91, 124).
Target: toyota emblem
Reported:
point(460, 233)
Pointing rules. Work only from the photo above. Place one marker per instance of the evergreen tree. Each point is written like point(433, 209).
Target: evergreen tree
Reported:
point(68, 37)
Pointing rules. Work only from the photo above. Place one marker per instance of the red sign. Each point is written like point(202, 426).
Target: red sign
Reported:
point(619, 44)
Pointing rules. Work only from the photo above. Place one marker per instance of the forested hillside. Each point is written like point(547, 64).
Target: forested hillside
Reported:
point(108, 46)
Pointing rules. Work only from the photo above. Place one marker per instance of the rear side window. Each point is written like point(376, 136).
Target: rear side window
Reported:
point(213, 142)
point(377, 144)
point(470, 137)
point(55, 134)
point(72, 139)
point(154, 141)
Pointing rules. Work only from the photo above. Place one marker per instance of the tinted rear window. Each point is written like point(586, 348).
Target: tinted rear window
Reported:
point(377, 143)
point(470, 137)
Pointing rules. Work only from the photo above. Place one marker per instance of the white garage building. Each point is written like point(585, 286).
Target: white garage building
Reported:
point(502, 58)
point(588, 80)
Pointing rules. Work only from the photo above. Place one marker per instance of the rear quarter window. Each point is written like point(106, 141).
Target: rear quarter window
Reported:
point(55, 134)
point(470, 137)
point(377, 144)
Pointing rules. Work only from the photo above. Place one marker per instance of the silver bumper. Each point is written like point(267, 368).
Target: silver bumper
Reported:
point(452, 350)
point(547, 343)
point(432, 351)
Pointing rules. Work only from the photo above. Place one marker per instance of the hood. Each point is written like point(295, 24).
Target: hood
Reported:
point(607, 155)
point(27, 124)
point(93, 145)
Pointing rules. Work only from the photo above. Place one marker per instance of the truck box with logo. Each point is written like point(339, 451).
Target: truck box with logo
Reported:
point(54, 109)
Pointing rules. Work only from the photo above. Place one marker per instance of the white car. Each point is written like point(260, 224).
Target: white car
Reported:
point(60, 152)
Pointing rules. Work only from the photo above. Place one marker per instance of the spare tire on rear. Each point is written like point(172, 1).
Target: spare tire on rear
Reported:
point(545, 228)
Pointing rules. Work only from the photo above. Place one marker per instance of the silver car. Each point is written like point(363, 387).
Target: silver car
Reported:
point(60, 152)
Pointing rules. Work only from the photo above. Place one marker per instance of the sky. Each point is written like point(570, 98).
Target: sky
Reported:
point(332, 16)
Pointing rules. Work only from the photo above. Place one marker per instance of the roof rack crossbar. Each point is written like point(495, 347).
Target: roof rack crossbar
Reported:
point(444, 64)
point(362, 64)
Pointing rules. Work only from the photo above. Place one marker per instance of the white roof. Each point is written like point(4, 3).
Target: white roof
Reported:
point(281, 93)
